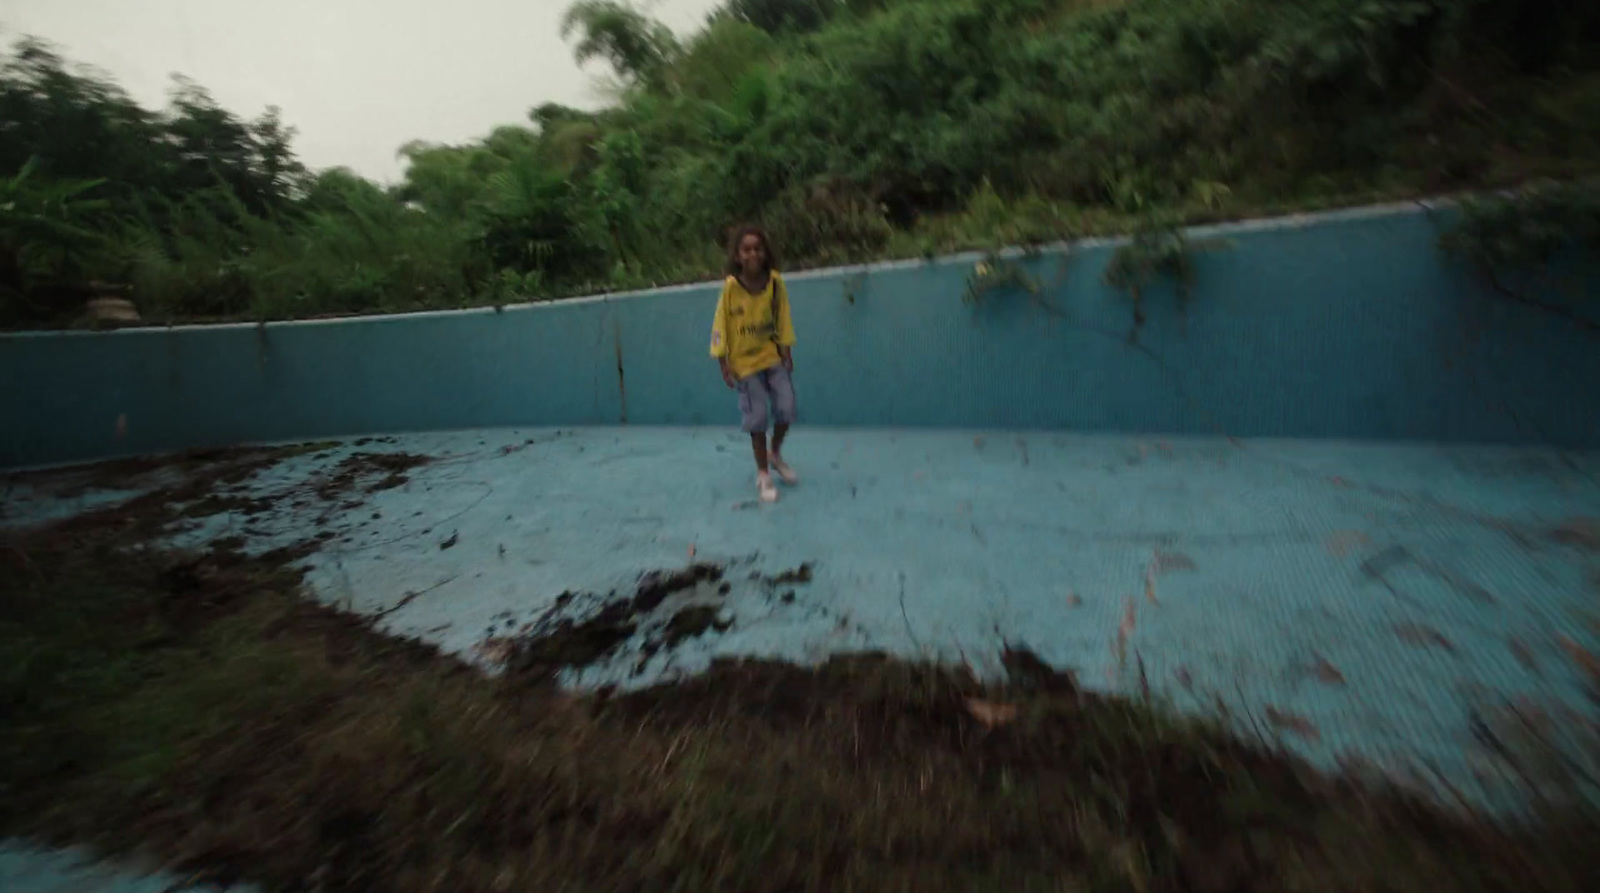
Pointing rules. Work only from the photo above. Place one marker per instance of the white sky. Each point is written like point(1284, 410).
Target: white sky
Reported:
point(357, 78)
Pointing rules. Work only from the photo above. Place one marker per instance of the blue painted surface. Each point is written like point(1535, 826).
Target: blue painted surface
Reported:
point(27, 870)
point(1346, 326)
point(1246, 565)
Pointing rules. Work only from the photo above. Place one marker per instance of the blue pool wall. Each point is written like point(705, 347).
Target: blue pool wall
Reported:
point(1349, 325)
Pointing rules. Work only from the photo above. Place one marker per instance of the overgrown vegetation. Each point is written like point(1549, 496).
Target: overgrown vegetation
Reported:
point(855, 129)
point(996, 275)
point(1155, 254)
point(195, 709)
point(1515, 241)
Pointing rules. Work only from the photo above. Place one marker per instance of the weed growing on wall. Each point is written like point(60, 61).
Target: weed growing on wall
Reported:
point(1157, 253)
point(854, 286)
point(1513, 238)
point(995, 275)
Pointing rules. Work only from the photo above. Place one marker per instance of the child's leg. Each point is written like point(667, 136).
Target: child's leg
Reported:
point(783, 405)
point(753, 397)
point(758, 445)
point(783, 413)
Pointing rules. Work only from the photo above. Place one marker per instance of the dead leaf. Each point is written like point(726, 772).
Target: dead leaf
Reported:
point(495, 649)
point(1423, 636)
point(1582, 532)
point(1532, 714)
point(455, 537)
point(1150, 584)
point(1184, 677)
point(991, 714)
point(1119, 646)
point(1293, 724)
point(1583, 657)
point(1074, 600)
point(691, 551)
point(1327, 673)
point(1523, 654)
point(978, 442)
point(1345, 541)
point(1167, 562)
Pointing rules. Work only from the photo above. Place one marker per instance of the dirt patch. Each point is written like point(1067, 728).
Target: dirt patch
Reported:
point(654, 587)
point(584, 629)
point(186, 488)
point(368, 472)
point(691, 623)
point(1423, 636)
point(196, 710)
point(227, 464)
point(1580, 532)
point(557, 643)
point(194, 485)
point(801, 574)
point(231, 504)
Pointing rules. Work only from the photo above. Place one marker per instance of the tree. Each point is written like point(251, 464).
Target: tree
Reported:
point(532, 222)
point(778, 16)
point(74, 123)
point(47, 235)
point(638, 48)
point(715, 61)
point(213, 146)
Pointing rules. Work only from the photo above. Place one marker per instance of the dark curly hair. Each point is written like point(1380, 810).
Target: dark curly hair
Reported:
point(733, 266)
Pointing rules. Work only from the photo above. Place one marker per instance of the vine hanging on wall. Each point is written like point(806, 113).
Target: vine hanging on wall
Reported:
point(853, 287)
point(1156, 253)
point(996, 275)
point(1502, 236)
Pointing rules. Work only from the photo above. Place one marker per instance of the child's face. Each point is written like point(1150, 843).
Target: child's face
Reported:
point(752, 255)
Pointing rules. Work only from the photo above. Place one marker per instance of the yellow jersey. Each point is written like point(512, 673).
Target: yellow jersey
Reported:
point(749, 327)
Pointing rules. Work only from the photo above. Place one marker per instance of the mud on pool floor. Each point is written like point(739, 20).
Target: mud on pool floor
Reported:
point(1355, 617)
point(666, 609)
point(198, 709)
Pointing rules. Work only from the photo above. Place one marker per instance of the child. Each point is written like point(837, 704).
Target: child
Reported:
point(752, 339)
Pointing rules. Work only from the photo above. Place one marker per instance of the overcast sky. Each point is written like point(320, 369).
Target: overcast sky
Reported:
point(358, 78)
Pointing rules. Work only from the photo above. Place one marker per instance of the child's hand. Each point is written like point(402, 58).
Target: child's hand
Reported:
point(727, 377)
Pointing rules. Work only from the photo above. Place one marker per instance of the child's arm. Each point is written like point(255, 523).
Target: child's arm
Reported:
point(719, 337)
point(785, 324)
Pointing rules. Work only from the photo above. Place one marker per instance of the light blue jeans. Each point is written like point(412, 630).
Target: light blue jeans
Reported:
point(757, 390)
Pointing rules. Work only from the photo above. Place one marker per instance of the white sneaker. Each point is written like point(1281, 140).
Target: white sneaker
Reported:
point(785, 473)
point(769, 493)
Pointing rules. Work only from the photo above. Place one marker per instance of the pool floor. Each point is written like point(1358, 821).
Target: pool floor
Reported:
point(1360, 602)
